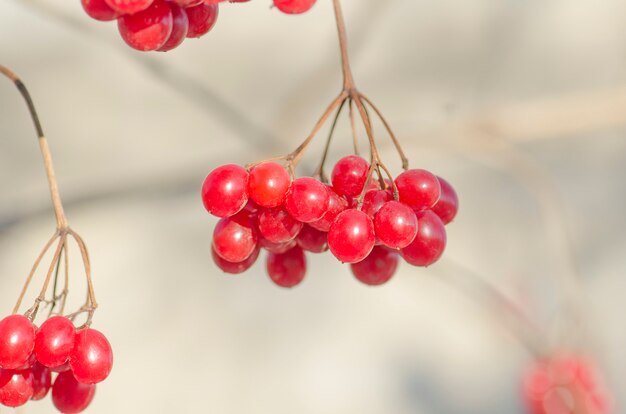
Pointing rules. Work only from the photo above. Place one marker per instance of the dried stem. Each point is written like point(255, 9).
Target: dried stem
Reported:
point(320, 169)
point(355, 137)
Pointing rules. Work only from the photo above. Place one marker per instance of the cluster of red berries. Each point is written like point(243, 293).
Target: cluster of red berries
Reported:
point(163, 25)
point(564, 385)
point(263, 208)
point(29, 357)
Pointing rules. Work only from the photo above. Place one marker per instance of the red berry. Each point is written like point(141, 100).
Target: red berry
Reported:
point(129, 6)
point(148, 29)
point(374, 200)
point(351, 237)
point(268, 184)
point(42, 380)
point(336, 204)
point(395, 225)
point(276, 247)
point(225, 190)
point(419, 189)
point(429, 243)
point(17, 340)
point(277, 226)
point(54, 341)
point(99, 10)
point(235, 268)
point(70, 396)
point(349, 175)
point(91, 359)
point(287, 269)
point(16, 387)
point(180, 26)
point(307, 199)
point(377, 268)
point(312, 240)
point(448, 204)
point(294, 6)
point(201, 19)
point(235, 238)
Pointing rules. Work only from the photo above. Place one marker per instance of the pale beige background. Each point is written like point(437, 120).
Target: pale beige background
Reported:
point(133, 136)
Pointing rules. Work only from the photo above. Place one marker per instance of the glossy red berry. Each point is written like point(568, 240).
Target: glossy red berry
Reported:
point(202, 18)
point(395, 225)
point(180, 26)
point(17, 340)
point(277, 226)
point(429, 243)
point(351, 237)
point(148, 29)
point(287, 269)
point(42, 381)
point(70, 396)
point(307, 199)
point(276, 247)
point(312, 240)
point(448, 204)
point(374, 200)
point(294, 6)
point(16, 387)
point(349, 175)
point(235, 268)
point(419, 189)
point(225, 190)
point(377, 268)
point(235, 238)
point(268, 184)
point(99, 10)
point(336, 204)
point(91, 359)
point(54, 341)
point(129, 6)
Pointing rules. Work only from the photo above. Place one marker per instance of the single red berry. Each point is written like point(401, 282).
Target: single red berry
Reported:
point(91, 359)
point(17, 340)
point(287, 269)
point(351, 237)
point(268, 184)
point(54, 341)
point(448, 204)
point(42, 381)
point(16, 387)
point(276, 247)
point(180, 26)
point(429, 243)
point(225, 190)
point(307, 199)
point(419, 189)
point(129, 6)
point(374, 200)
point(191, 3)
point(395, 225)
point(349, 175)
point(277, 226)
point(312, 240)
point(377, 268)
point(202, 18)
point(235, 238)
point(294, 6)
point(70, 396)
point(148, 29)
point(336, 204)
point(235, 268)
point(99, 10)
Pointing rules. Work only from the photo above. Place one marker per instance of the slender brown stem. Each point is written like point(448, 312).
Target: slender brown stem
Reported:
point(87, 264)
point(320, 169)
point(355, 137)
point(348, 80)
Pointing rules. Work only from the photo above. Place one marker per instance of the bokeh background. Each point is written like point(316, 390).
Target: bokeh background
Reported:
point(521, 105)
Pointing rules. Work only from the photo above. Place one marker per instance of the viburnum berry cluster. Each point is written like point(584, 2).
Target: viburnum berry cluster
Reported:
point(163, 25)
point(564, 385)
point(30, 356)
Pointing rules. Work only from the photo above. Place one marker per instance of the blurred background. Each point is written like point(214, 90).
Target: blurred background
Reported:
point(521, 105)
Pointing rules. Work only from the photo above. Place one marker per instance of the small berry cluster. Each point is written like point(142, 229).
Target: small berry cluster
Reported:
point(564, 385)
point(162, 25)
point(29, 357)
point(369, 224)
